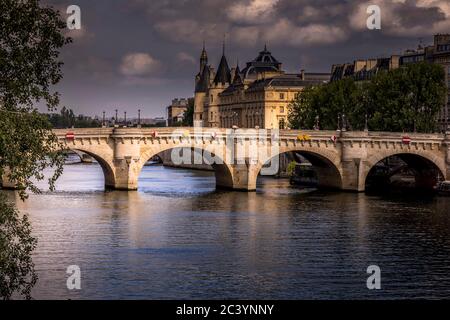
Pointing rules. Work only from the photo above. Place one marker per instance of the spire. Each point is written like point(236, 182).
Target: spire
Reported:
point(223, 75)
point(223, 45)
point(237, 74)
point(203, 59)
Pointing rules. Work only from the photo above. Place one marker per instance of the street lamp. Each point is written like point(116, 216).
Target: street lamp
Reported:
point(316, 126)
point(344, 122)
point(103, 122)
point(235, 115)
point(257, 119)
point(115, 119)
point(125, 118)
point(139, 118)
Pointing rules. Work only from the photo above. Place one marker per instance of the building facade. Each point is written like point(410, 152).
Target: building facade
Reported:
point(362, 70)
point(176, 111)
point(438, 53)
point(257, 96)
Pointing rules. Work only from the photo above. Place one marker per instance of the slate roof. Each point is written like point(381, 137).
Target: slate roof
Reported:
point(223, 74)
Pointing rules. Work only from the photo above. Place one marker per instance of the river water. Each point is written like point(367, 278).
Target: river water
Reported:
point(179, 238)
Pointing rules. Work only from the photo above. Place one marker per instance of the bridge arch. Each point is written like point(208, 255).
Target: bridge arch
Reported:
point(223, 172)
point(424, 163)
point(326, 164)
point(106, 165)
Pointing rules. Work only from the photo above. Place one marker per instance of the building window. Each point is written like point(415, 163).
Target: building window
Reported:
point(212, 98)
point(444, 47)
point(281, 124)
point(281, 96)
point(281, 109)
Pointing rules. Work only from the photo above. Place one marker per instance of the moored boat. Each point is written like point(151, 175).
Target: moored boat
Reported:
point(443, 188)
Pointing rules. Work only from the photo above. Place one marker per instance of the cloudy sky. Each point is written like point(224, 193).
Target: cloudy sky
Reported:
point(132, 54)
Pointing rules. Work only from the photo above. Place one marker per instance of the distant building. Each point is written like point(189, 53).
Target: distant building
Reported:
point(257, 96)
point(438, 53)
point(176, 111)
point(362, 70)
point(158, 121)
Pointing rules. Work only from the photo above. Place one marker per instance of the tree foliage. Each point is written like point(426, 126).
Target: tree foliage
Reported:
point(16, 246)
point(30, 39)
point(189, 114)
point(66, 118)
point(31, 36)
point(404, 99)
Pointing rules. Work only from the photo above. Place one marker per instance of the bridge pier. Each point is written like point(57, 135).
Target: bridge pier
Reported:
point(127, 153)
point(447, 158)
point(353, 175)
point(8, 184)
point(353, 160)
point(126, 172)
point(240, 177)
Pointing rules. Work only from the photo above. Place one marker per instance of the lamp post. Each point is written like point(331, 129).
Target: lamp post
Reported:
point(339, 122)
point(103, 122)
point(317, 125)
point(116, 121)
point(235, 115)
point(366, 126)
point(125, 119)
point(344, 122)
point(139, 118)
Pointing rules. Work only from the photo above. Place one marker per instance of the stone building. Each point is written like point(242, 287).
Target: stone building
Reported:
point(438, 53)
point(176, 111)
point(257, 96)
point(362, 70)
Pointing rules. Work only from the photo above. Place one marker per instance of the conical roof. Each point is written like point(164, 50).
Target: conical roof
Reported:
point(203, 82)
point(223, 74)
point(237, 75)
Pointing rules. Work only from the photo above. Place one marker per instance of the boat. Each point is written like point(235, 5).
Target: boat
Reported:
point(443, 188)
point(304, 175)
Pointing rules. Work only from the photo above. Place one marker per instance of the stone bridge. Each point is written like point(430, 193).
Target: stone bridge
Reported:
point(342, 160)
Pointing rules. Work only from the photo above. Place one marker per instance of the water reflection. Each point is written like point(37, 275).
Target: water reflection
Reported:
point(179, 238)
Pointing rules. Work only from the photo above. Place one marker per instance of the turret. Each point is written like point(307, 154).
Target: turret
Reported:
point(223, 75)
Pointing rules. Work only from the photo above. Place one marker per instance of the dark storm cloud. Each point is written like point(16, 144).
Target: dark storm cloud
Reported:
point(141, 54)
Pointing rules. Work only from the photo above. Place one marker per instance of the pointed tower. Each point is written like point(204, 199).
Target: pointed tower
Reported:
point(203, 59)
point(223, 75)
point(201, 88)
point(222, 81)
point(237, 80)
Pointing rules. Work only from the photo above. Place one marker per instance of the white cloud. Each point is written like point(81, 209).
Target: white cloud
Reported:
point(139, 64)
point(253, 11)
point(286, 32)
point(246, 36)
point(189, 30)
point(394, 14)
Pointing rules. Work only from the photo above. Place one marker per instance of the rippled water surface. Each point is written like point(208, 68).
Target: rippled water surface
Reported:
point(178, 238)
